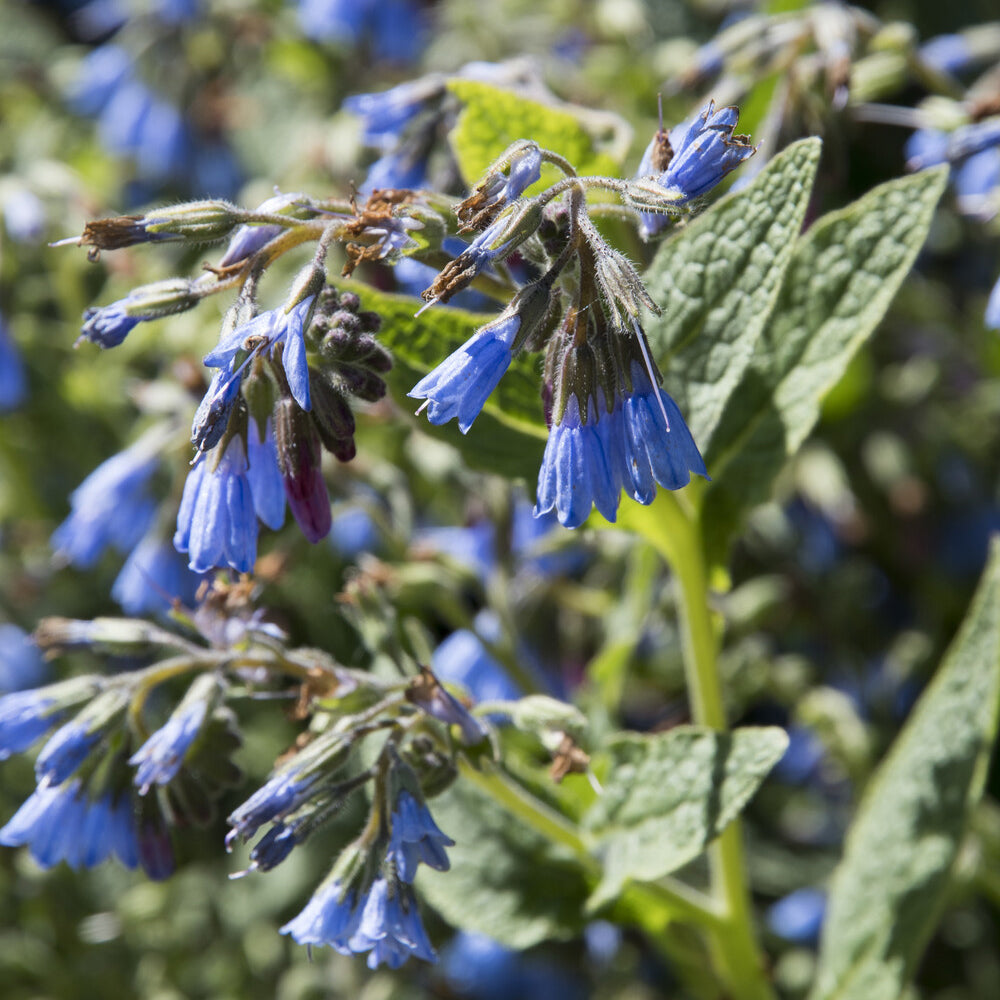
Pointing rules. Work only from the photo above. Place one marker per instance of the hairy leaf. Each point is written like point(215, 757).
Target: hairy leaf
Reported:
point(668, 795)
point(717, 282)
point(506, 880)
point(888, 890)
point(508, 437)
point(491, 119)
point(843, 275)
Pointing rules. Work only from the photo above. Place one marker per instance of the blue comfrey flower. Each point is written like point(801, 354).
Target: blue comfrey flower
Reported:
point(247, 240)
point(462, 383)
point(993, 308)
point(216, 523)
point(273, 847)
point(212, 416)
point(385, 115)
point(385, 922)
point(693, 157)
point(394, 28)
point(415, 837)
point(153, 578)
point(101, 74)
point(159, 759)
point(13, 383)
point(473, 546)
point(266, 483)
point(947, 53)
point(403, 168)
point(21, 663)
point(25, 717)
point(111, 507)
point(282, 794)
point(353, 531)
point(62, 823)
point(65, 751)
point(268, 330)
point(108, 326)
point(463, 659)
point(798, 917)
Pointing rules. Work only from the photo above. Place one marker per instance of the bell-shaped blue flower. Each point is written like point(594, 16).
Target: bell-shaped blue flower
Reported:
point(25, 717)
point(281, 795)
point(159, 759)
point(266, 483)
point(65, 751)
point(415, 837)
point(216, 523)
point(153, 578)
point(21, 663)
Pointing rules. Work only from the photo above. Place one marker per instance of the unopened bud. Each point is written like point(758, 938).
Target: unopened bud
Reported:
point(299, 458)
point(332, 418)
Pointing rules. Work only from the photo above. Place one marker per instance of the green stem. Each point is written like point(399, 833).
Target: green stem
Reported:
point(673, 531)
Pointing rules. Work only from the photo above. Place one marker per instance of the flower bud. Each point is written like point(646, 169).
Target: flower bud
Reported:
point(299, 458)
point(332, 418)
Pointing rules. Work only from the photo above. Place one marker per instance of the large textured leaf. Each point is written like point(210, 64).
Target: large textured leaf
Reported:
point(717, 282)
point(667, 796)
point(508, 437)
point(491, 119)
point(506, 880)
point(843, 275)
point(888, 890)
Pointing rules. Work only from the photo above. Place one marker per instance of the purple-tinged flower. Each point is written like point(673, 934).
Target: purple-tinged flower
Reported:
point(101, 74)
point(461, 384)
point(21, 663)
point(25, 717)
point(415, 837)
point(300, 461)
point(13, 383)
point(247, 240)
point(62, 823)
point(65, 751)
point(156, 850)
point(993, 308)
point(281, 795)
point(947, 53)
point(159, 759)
point(216, 523)
point(111, 507)
point(153, 578)
point(798, 917)
point(693, 157)
point(266, 484)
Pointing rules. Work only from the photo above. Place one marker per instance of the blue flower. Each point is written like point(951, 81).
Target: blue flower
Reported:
point(266, 484)
point(461, 384)
point(153, 578)
point(394, 27)
point(385, 115)
point(212, 416)
point(21, 663)
point(109, 325)
point(353, 531)
point(415, 837)
point(589, 461)
point(65, 751)
point(402, 168)
point(947, 53)
point(473, 547)
point(159, 759)
point(111, 506)
point(25, 717)
point(463, 659)
point(993, 308)
point(283, 793)
point(13, 383)
point(274, 847)
point(798, 917)
point(384, 923)
point(62, 823)
point(702, 151)
point(216, 523)
point(101, 74)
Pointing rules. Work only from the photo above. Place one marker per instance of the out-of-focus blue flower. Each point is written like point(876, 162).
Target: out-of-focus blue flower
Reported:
point(803, 757)
point(386, 114)
point(111, 507)
point(177, 11)
point(947, 53)
point(216, 523)
point(701, 152)
point(215, 169)
point(394, 28)
point(103, 71)
point(13, 383)
point(353, 531)
point(24, 215)
point(977, 184)
point(21, 663)
point(62, 823)
point(396, 169)
point(993, 308)
point(25, 717)
point(65, 751)
point(247, 240)
point(282, 794)
point(603, 940)
point(266, 483)
point(463, 659)
point(461, 384)
point(159, 759)
point(798, 917)
point(472, 546)
point(153, 577)
point(415, 837)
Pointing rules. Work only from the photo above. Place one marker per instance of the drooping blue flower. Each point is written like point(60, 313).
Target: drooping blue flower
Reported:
point(461, 384)
point(62, 823)
point(386, 114)
point(266, 484)
point(13, 382)
point(415, 837)
point(330, 918)
point(977, 184)
point(463, 659)
point(274, 847)
point(25, 717)
point(21, 663)
point(153, 577)
point(111, 507)
point(702, 151)
point(108, 326)
point(65, 751)
point(798, 917)
point(159, 759)
point(281, 795)
point(390, 929)
point(216, 523)
point(402, 168)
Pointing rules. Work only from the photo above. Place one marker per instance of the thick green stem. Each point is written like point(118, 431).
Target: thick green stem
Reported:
point(673, 531)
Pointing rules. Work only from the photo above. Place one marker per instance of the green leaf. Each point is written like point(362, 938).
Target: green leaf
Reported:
point(491, 119)
point(506, 880)
point(843, 275)
point(667, 796)
point(508, 437)
point(717, 282)
point(889, 888)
